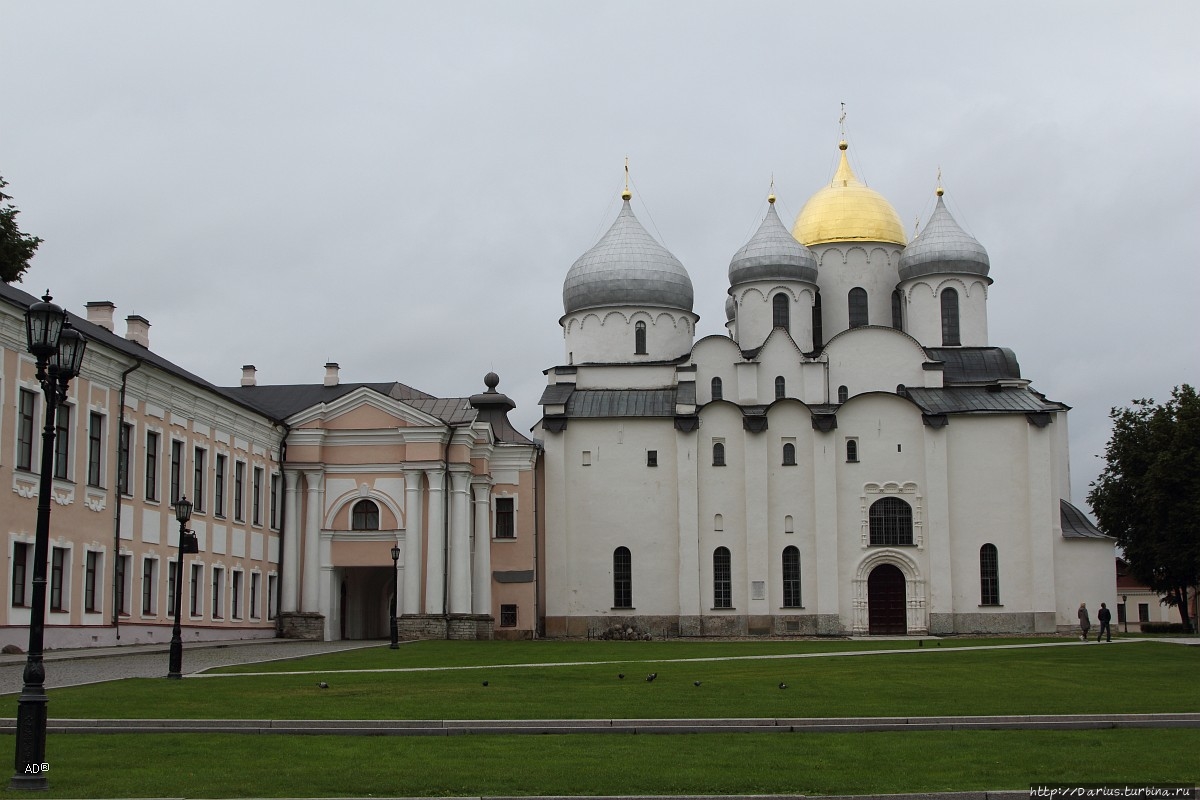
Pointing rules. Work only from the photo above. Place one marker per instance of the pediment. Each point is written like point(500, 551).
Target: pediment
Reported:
point(362, 409)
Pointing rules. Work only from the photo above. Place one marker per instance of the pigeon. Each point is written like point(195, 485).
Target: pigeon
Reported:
point(485, 683)
point(621, 675)
point(782, 685)
point(322, 685)
point(651, 677)
point(695, 683)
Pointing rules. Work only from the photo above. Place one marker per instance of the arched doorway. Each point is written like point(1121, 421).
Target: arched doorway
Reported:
point(886, 601)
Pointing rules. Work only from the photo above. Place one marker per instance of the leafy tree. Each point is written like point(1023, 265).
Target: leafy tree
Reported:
point(16, 248)
point(1148, 495)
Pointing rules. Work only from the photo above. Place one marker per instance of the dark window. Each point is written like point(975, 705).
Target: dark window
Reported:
point(272, 594)
point(891, 522)
point(781, 312)
point(818, 329)
point(239, 490)
point(235, 598)
point(26, 404)
point(950, 317)
point(791, 577)
point(506, 527)
point(989, 576)
point(722, 579)
point(256, 498)
point(364, 516)
point(119, 580)
point(58, 559)
point(151, 465)
point(1143, 612)
point(62, 443)
point(176, 470)
point(171, 568)
point(897, 310)
point(718, 454)
point(218, 585)
point(843, 394)
point(622, 578)
point(199, 456)
point(716, 389)
point(789, 455)
point(219, 487)
point(95, 448)
point(857, 300)
point(1121, 613)
point(91, 575)
point(639, 339)
point(148, 586)
point(197, 576)
point(651, 458)
point(851, 450)
point(20, 569)
point(124, 453)
point(780, 387)
point(255, 579)
point(274, 501)
point(508, 616)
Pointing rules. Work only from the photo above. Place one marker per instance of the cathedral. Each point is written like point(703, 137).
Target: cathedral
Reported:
point(851, 456)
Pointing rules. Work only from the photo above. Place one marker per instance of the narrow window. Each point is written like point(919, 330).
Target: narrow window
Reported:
point(235, 598)
point(171, 569)
point(26, 404)
point(818, 330)
point(857, 300)
point(1143, 612)
point(275, 500)
point(124, 455)
point(364, 516)
point(176, 470)
point(508, 616)
point(651, 458)
point(716, 389)
point(58, 560)
point(91, 576)
point(789, 524)
point(256, 487)
point(255, 580)
point(852, 450)
point(20, 571)
point(781, 312)
point(843, 394)
point(780, 387)
point(622, 578)
point(121, 583)
point(195, 599)
point(95, 448)
point(718, 454)
point(219, 486)
point(718, 522)
point(950, 335)
point(272, 593)
point(789, 455)
point(151, 465)
point(722, 579)
point(218, 584)
point(239, 491)
point(791, 577)
point(890, 520)
point(639, 339)
point(897, 310)
point(989, 576)
point(148, 585)
point(506, 527)
point(199, 459)
point(62, 443)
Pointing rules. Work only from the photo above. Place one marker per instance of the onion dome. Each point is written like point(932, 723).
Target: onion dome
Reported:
point(730, 308)
point(627, 267)
point(847, 211)
point(943, 246)
point(773, 254)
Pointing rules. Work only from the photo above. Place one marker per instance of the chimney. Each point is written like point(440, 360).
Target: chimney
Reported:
point(249, 375)
point(331, 374)
point(137, 330)
point(100, 312)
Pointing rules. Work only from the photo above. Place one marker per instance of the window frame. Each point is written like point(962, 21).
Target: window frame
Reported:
point(789, 454)
point(504, 510)
point(220, 467)
point(149, 585)
point(508, 615)
point(718, 454)
point(176, 471)
point(780, 387)
point(95, 471)
point(125, 459)
point(256, 487)
point(62, 442)
point(639, 338)
point(622, 578)
point(364, 515)
point(890, 523)
point(59, 572)
point(781, 311)
point(790, 563)
point(989, 575)
point(199, 476)
point(26, 426)
point(717, 389)
point(857, 308)
point(951, 327)
point(22, 556)
point(151, 461)
point(722, 578)
point(239, 490)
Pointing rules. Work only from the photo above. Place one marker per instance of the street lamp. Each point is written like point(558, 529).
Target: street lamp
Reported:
point(1125, 611)
point(395, 645)
point(187, 544)
point(58, 349)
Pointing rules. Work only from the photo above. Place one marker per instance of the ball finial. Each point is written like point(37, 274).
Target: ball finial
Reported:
point(491, 381)
point(842, 145)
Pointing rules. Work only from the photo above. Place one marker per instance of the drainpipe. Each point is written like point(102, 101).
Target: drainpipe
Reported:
point(116, 612)
point(446, 534)
point(537, 522)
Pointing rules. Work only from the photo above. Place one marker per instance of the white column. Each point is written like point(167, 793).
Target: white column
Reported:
point(412, 541)
point(435, 558)
point(460, 542)
point(481, 573)
point(310, 597)
point(289, 570)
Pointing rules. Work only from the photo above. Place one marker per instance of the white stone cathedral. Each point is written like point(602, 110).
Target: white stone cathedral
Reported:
point(852, 456)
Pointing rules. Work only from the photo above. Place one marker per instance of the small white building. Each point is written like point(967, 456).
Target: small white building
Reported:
point(851, 456)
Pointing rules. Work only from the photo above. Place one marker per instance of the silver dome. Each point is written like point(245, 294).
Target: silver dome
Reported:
point(773, 254)
point(943, 247)
point(627, 267)
point(730, 308)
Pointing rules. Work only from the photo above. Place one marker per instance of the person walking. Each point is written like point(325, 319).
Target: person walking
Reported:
point(1104, 616)
point(1085, 622)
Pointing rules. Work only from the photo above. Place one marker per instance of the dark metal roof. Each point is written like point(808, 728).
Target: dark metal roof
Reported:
point(621, 403)
point(556, 394)
point(1076, 525)
point(685, 393)
point(283, 401)
point(979, 399)
point(976, 364)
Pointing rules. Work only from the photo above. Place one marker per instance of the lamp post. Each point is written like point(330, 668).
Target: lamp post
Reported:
point(187, 544)
point(1125, 610)
point(395, 645)
point(58, 349)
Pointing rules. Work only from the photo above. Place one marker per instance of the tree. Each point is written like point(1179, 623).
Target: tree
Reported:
point(16, 248)
point(1148, 495)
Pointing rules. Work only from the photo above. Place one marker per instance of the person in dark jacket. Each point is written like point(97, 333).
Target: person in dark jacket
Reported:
point(1104, 616)
point(1085, 622)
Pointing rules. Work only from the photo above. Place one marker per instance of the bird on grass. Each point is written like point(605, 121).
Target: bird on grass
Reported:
point(695, 683)
point(621, 675)
point(651, 677)
point(485, 683)
point(782, 685)
point(322, 685)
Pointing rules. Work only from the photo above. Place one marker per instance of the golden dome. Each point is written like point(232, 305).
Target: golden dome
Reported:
point(846, 211)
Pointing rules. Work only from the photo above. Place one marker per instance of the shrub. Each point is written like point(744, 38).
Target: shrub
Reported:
point(1164, 627)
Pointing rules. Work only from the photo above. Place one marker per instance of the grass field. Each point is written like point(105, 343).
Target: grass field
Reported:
point(444, 680)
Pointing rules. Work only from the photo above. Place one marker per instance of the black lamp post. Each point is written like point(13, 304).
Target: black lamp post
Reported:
point(1125, 610)
point(187, 544)
point(395, 645)
point(58, 349)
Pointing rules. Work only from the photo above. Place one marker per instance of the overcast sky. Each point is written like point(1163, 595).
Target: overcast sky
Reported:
point(402, 187)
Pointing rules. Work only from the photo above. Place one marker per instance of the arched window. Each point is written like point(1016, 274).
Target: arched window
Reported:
point(843, 394)
point(364, 516)
point(622, 578)
point(780, 387)
point(781, 312)
point(818, 334)
point(897, 310)
point(989, 576)
point(789, 455)
point(891, 522)
point(639, 339)
point(718, 454)
point(857, 300)
point(789, 525)
point(791, 577)
point(950, 318)
point(722, 579)
point(718, 522)
point(716, 389)
point(852, 450)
